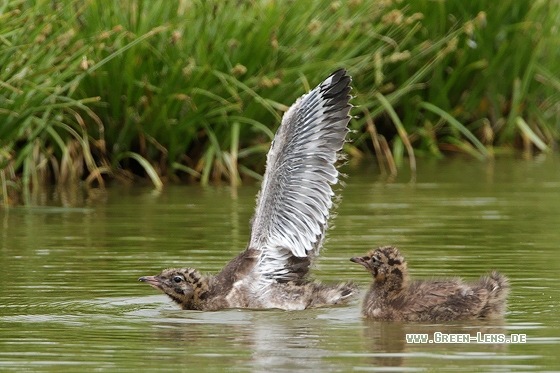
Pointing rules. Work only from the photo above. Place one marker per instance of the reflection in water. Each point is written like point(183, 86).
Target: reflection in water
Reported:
point(70, 298)
point(388, 341)
point(274, 339)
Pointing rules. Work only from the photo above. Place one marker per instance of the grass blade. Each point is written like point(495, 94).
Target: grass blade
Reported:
point(158, 184)
point(455, 123)
point(401, 131)
point(528, 132)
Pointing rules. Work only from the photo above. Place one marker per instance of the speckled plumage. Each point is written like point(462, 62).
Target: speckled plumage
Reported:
point(290, 218)
point(393, 296)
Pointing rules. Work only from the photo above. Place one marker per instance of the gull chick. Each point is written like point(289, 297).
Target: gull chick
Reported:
point(290, 219)
point(393, 296)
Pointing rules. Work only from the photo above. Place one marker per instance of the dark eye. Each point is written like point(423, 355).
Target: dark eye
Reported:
point(177, 279)
point(374, 259)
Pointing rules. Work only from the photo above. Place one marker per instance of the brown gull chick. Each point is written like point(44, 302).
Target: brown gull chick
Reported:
point(393, 296)
point(290, 218)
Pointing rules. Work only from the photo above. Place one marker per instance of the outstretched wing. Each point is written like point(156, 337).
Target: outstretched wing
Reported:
point(296, 195)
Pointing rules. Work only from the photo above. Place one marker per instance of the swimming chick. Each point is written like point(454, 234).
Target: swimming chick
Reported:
point(393, 296)
point(290, 219)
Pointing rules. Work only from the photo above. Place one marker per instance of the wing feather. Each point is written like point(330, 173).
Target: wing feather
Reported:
point(296, 194)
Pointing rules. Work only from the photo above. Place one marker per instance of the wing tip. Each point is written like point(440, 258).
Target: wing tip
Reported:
point(339, 74)
point(336, 88)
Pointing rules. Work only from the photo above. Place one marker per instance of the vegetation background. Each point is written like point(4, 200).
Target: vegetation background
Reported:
point(92, 91)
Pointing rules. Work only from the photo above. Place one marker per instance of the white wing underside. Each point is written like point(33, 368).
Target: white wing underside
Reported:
point(296, 195)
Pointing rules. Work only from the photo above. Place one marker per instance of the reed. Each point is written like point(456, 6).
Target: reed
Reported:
point(500, 75)
point(42, 131)
point(171, 90)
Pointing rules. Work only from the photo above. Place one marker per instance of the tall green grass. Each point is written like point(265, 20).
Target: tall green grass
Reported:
point(203, 97)
point(42, 124)
point(48, 131)
point(493, 86)
point(505, 72)
point(93, 90)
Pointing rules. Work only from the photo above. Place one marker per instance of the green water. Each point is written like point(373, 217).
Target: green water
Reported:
point(70, 299)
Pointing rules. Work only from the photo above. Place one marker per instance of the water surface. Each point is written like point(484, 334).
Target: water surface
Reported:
point(70, 300)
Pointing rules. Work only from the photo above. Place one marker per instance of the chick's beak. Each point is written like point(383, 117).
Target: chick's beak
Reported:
point(151, 280)
point(359, 260)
